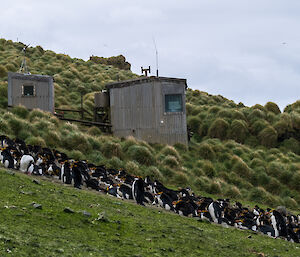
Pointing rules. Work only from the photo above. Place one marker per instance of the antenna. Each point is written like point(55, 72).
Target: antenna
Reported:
point(24, 67)
point(156, 55)
point(146, 71)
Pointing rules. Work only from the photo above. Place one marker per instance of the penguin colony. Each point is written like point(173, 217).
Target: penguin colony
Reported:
point(35, 160)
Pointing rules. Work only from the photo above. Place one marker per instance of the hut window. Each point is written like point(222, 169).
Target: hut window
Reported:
point(28, 90)
point(173, 103)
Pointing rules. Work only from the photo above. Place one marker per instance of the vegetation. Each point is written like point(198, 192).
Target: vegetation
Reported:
point(72, 76)
point(235, 151)
point(104, 226)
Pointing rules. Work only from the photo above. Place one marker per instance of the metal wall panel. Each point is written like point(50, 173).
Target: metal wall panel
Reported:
point(44, 91)
point(138, 109)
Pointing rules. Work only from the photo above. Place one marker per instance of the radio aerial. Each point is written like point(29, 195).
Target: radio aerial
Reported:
point(24, 68)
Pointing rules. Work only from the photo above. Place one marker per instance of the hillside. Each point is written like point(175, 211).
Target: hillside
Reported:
point(121, 229)
point(72, 76)
point(245, 153)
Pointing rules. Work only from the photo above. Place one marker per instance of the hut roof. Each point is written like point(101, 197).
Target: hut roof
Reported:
point(31, 77)
point(142, 80)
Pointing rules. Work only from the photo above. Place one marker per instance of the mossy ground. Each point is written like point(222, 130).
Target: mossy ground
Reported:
point(130, 230)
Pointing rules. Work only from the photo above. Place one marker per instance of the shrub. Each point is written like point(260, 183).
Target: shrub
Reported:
point(274, 186)
point(3, 71)
point(263, 179)
point(258, 107)
point(202, 184)
point(77, 155)
point(132, 167)
point(76, 141)
point(167, 172)
point(55, 121)
point(257, 163)
point(94, 142)
point(256, 114)
point(241, 168)
point(94, 131)
point(214, 109)
point(295, 181)
point(154, 173)
point(52, 138)
point(206, 152)
point(193, 123)
point(224, 113)
point(258, 126)
point(272, 107)
point(170, 161)
point(209, 169)
point(20, 111)
point(36, 113)
point(110, 149)
point(128, 142)
point(180, 147)
point(271, 117)
point(35, 141)
point(238, 131)
point(275, 168)
point(292, 144)
point(141, 154)
point(271, 200)
point(285, 177)
point(232, 192)
point(268, 137)
point(290, 203)
point(295, 120)
point(96, 157)
point(10, 67)
point(25, 133)
point(214, 188)
point(3, 126)
point(115, 163)
point(197, 172)
point(42, 125)
point(3, 90)
point(257, 194)
point(180, 179)
point(16, 125)
point(171, 151)
point(223, 157)
point(281, 128)
point(238, 151)
point(218, 129)
point(237, 115)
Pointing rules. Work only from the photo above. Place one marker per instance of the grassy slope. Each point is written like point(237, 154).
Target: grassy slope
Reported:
point(72, 76)
point(131, 231)
point(236, 151)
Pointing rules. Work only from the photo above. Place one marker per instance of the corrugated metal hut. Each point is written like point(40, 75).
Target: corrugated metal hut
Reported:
point(31, 91)
point(150, 109)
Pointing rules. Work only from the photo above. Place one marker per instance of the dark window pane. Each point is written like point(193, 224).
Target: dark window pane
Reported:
point(28, 90)
point(173, 103)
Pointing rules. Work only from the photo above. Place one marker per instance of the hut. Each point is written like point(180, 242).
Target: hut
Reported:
point(31, 91)
point(150, 109)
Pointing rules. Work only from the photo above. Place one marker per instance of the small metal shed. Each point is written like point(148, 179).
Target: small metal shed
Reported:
point(150, 109)
point(31, 91)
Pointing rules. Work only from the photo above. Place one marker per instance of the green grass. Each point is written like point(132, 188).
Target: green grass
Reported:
point(248, 152)
point(130, 230)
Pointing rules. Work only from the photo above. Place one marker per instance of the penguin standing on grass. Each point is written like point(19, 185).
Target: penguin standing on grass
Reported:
point(138, 191)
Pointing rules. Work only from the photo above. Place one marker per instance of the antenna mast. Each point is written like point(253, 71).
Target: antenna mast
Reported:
point(24, 67)
point(156, 55)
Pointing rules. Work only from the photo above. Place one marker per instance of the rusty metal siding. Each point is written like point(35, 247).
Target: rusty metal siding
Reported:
point(44, 91)
point(138, 109)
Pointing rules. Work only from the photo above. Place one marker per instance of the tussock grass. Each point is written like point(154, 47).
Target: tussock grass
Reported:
point(141, 154)
point(234, 146)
